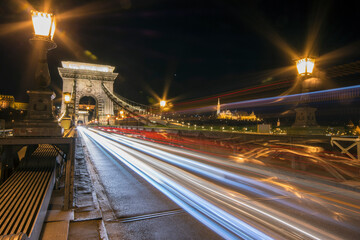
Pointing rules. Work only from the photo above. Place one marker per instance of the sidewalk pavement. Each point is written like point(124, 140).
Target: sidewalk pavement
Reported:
point(84, 221)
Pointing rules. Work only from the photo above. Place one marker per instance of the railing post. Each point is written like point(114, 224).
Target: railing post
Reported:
point(356, 142)
point(68, 176)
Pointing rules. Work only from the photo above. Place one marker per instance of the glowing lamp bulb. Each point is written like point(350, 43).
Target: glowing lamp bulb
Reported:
point(44, 24)
point(305, 66)
point(162, 103)
point(67, 97)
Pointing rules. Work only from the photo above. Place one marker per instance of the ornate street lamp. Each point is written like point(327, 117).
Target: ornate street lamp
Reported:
point(44, 29)
point(108, 119)
point(67, 97)
point(305, 66)
point(162, 105)
point(67, 100)
point(305, 115)
point(41, 119)
point(44, 24)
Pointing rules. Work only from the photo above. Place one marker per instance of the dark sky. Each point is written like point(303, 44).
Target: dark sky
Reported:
point(196, 48)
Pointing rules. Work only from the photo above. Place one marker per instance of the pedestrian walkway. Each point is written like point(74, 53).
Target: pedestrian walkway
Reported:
point(84, 220)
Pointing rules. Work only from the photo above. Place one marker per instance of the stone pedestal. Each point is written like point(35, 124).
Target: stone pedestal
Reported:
point(305, 117)
point(40, 120)
point(66, 123)
point(305, 122)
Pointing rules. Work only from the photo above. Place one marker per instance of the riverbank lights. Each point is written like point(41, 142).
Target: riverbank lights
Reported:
point(162, 103)
point(305, 66)
point(67, 97)
point(44, 24)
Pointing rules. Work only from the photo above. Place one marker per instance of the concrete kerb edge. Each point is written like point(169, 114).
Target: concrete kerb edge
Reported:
point(103, 232)
point(96, 181)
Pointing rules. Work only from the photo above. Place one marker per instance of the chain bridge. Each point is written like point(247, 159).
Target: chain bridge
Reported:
point(95, 81)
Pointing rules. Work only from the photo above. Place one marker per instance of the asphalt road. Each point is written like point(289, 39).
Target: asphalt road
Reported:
point(235, 202)
point(141, 210)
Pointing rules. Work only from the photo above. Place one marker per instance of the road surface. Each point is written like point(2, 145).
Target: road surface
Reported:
point(163, 192)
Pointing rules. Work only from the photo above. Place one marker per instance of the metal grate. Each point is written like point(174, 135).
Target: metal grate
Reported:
point(24, 197)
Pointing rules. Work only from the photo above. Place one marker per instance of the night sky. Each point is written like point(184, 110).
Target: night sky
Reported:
point(192, 48)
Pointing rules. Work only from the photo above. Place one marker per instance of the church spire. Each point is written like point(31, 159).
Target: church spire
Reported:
point(218, 107)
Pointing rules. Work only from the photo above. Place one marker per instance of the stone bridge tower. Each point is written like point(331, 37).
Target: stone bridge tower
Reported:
point(84, 80)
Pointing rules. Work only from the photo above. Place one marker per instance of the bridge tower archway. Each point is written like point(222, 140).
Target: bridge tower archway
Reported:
point(88, 109)
point(85, 80)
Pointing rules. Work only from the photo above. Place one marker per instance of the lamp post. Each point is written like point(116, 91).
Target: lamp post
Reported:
point(66, 121)
point(162, 105)
point(44, 29)
point(67, 100)
point(305, 115)
point(40, 120)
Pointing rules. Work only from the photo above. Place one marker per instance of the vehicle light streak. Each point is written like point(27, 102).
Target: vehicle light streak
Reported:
point(233, 93)
point(235, 210)
point(224, 177)
point(287, 99)
point(216, 174)
point(195, 166)
point(199, 208)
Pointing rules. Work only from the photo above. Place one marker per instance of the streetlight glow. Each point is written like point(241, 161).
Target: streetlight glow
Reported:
point(162, 103)
point(67, 97)
point(305, 66)
point(44, 24)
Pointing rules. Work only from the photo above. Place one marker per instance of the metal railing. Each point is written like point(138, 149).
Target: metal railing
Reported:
point(355, 143)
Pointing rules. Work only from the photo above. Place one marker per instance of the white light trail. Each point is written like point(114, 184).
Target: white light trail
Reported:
point(194, 185)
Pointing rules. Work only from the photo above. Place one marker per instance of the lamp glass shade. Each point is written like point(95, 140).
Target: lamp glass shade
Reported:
point(162, 103)
point(44, 24)
point(67, 97)
point(305, 66)
point(53, 27)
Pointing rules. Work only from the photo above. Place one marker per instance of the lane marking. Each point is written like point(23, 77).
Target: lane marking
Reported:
point(151, 215)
